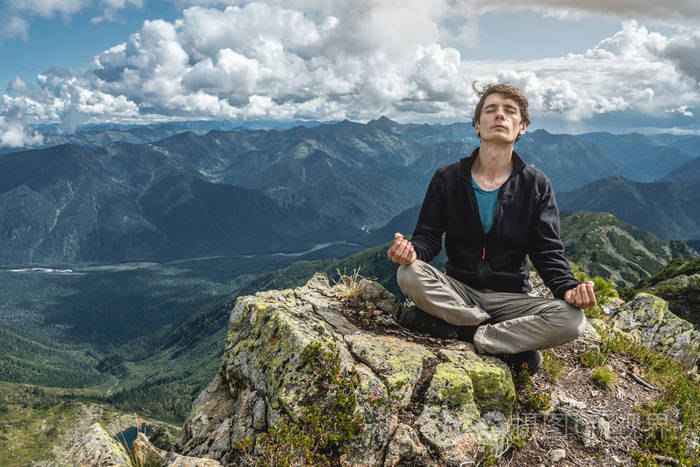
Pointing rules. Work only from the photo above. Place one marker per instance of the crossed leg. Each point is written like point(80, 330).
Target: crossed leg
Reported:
point(508, 323)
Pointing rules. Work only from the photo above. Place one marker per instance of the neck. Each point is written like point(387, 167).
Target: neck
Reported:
point(493, 161)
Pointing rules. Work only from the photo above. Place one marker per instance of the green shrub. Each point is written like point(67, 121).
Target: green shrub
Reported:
point(531, 397)
point(604, 376)
point(592, 357)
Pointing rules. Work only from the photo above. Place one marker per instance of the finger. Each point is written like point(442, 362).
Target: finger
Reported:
point(585, 301)
point(401, 249)
point(396, 244)
point(591, 295)
point(408, 253)
point(412, 255)
point(579, 295)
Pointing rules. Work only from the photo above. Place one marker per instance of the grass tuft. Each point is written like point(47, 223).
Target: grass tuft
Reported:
point(551, 364)
point(352, 284)
point(604, 376)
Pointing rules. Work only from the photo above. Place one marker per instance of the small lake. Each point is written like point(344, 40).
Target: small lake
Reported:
point(128, 436)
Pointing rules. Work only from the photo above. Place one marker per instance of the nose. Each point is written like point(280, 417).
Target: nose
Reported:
point(501, 113)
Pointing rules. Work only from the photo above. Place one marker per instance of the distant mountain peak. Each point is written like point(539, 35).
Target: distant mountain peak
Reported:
point(384, 123)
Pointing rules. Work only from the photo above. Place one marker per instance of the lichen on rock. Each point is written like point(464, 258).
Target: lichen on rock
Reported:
point(97, 448)
point(648, 319)
point(452, 403)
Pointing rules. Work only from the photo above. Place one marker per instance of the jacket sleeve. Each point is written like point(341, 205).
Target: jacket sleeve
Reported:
point(546, 249)
point(427, 237)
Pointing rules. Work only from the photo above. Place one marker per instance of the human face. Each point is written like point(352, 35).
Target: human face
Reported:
point(500, 120)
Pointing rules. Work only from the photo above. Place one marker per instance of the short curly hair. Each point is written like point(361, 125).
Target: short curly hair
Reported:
point(506, 90)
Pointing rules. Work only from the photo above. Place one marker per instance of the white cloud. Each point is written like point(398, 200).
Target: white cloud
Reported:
point(674, 12)
point(683, 110)
point(13, 27)
point(17, 85)
point(353, 59)
point(13, 134)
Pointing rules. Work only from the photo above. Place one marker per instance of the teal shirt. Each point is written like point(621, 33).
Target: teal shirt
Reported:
point(486, 200)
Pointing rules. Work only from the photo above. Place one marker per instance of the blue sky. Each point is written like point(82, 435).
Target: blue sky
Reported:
point(619, 66)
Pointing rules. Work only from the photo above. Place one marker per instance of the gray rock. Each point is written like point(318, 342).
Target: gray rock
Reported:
point(404, 446)
point(176, 460)
point(604, 429)
point(557, 455)
point(97, 448)
point(145, 453)
point(648, 319)
point(468, 398)
point(259, 415)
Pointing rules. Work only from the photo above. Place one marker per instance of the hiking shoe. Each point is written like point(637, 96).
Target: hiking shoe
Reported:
point(417, 319)
point(530, 361)
point(466, 333)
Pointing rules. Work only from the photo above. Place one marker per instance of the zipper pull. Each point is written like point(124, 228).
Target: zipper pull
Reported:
point(483, 253)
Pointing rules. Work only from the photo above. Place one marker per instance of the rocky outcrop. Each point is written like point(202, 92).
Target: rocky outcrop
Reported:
point(291, 355)
point(418, 399)
point(97, 449)
point(648, 319)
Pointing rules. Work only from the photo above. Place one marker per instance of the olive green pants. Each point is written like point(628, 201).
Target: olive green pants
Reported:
point(508, 322)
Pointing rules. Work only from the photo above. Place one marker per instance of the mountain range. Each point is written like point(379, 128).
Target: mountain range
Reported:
point(643, 159)
point(669, 209)
point(260, 191)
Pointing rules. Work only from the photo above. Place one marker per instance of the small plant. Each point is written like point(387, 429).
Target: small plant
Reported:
point(519, 437)
point(660, 438)
point(593, 357)
point(604, 290)
point(488, 457)
point(353, 283)
point(551, 364)
point(530, 397)
point(604, 376)
point(320, 433)
point(595, 312)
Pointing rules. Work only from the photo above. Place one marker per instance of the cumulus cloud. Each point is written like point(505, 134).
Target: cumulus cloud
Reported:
point(17, 85)
point(683, 110)
point(13, 134)
point(357, 59)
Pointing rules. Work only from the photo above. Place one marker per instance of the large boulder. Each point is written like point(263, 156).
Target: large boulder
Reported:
point(306, 351)
point(649, 320)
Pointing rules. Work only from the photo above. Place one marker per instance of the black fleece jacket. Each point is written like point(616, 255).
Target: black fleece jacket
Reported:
point(526, 223)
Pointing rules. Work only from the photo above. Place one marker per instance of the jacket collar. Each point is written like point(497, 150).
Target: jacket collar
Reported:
point(465, 164)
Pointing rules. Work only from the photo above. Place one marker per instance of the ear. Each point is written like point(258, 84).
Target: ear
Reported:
point(523, 129)
point(476, 129)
